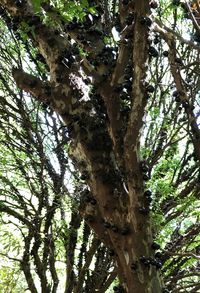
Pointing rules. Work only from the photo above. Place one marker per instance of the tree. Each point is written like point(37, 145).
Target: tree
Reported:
point(107, 92)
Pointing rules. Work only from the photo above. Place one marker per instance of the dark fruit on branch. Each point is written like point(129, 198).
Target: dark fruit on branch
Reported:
point(34, 20)
point(85, 176)
point(124, 96)
point(144, 168)
point(185, 104)
point(158, 255)
point(125, 231)
point(18, 3)
point(196, 37)
point(118, 88)
point(178, 99)
point(118, 289)
point(118, 28)
point(56, 32)
point(59, 79)
point(87, 198)
point(142, 20)
point(153, 4)
point(176, 94)
point(155, 246)
point(149, 199)
point(158, 265)
point(133, 266)
point(111, 252)
point(40, 58)
point(93, 201)
point(128, 69)
point(2, 11)
point(147, 96)
point(145, 177)
point(107, 225)
point(150, 88)
point(156, 40)
point(142, 258)
point(152, 261)
point(127, 77)
point(176, 2)
point(129, 19)
point(148, 21)
point(153, 52)
point(127, 85)
point(165, 53)
point(179, 61)
point(114, 229)
point(147, 193)
point(145, 21)
point(145, 261)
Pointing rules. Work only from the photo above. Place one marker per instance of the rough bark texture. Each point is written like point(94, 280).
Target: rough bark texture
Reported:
point(106, 150)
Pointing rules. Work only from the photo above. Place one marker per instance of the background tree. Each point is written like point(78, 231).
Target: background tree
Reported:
point(102, 126)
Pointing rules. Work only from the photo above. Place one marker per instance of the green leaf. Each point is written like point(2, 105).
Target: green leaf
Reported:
point(36, 5)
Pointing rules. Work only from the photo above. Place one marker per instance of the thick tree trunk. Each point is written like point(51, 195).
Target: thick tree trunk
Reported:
point(130, 238)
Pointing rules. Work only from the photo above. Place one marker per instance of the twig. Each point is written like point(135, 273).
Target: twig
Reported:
point(161, 28)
